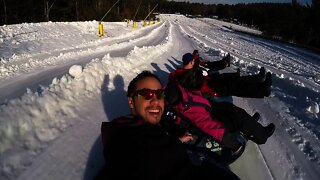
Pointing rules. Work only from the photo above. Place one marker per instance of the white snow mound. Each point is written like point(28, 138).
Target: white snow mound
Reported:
point(75, 71)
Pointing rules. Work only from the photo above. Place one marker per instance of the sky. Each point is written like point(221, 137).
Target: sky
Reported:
point(60, 80)
point(243, 1)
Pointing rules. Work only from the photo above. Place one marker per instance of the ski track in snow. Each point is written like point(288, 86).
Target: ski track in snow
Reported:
point(26, 64)
point(32, 123)
point(60, 63)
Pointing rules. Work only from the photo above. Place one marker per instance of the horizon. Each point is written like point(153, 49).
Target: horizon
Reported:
point(304, 2)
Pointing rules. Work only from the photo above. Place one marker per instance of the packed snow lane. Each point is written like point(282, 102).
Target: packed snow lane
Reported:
point(279, 57)
point(57, 64)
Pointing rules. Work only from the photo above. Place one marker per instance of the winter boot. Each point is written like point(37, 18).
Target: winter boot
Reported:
point(254, 131)
point(262, 138)
point(256, 78)
point(270, 129)
point(256, 117)
point(262, 74)
point(227, 60)
point(267, 84)
point(238, 70)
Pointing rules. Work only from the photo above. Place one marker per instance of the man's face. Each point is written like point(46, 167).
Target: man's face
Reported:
point(192, 62)
point(149, 110)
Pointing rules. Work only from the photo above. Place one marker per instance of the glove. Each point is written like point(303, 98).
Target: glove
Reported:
point(168, 122)
point(203, 63)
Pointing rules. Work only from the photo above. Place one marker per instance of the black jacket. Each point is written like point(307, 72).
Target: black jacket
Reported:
point(137, 150)
point(134, 149)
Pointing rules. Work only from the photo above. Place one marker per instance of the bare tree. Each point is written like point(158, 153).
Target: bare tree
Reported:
point(5, 11)
point(77, 11)
point(47, 8)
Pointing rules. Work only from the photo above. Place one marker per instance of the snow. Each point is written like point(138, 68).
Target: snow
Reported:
point(60, 80)
point(227, 25)
point(75, 71)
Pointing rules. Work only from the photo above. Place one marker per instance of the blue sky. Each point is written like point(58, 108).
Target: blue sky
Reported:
point(243, 1)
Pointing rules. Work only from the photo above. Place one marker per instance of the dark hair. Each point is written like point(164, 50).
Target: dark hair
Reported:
point(191, 79)
point(195, 52)
point(186, 59)
point(196, 58)
point(144, 74)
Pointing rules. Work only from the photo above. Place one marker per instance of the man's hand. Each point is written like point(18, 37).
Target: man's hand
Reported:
point(204, 63)
point(186, 137)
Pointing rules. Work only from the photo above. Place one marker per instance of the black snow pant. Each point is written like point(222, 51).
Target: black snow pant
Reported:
point(236, 119)
point(232, 84)
point(212, 65)
point(216, 65)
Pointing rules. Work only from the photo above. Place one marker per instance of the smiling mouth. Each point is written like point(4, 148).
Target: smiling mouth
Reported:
point(154, 111)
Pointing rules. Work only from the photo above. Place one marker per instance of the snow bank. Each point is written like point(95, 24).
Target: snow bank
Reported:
point(39, 117)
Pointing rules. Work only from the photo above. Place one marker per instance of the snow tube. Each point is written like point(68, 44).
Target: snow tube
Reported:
point(211, 148)
point(221, 99)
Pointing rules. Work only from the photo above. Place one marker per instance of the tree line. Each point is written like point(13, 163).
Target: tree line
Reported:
point(19, 11)
point(291, 22)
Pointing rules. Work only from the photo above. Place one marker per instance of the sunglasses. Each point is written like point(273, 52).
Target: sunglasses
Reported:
point(148, 94)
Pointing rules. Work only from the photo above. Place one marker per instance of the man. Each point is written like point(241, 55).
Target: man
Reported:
point(214, 66)
point(229, 84)
point(185, 98)
point(231, 116)
point(138, 147)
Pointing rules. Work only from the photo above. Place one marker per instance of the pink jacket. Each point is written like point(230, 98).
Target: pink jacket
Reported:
point(197, 109)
